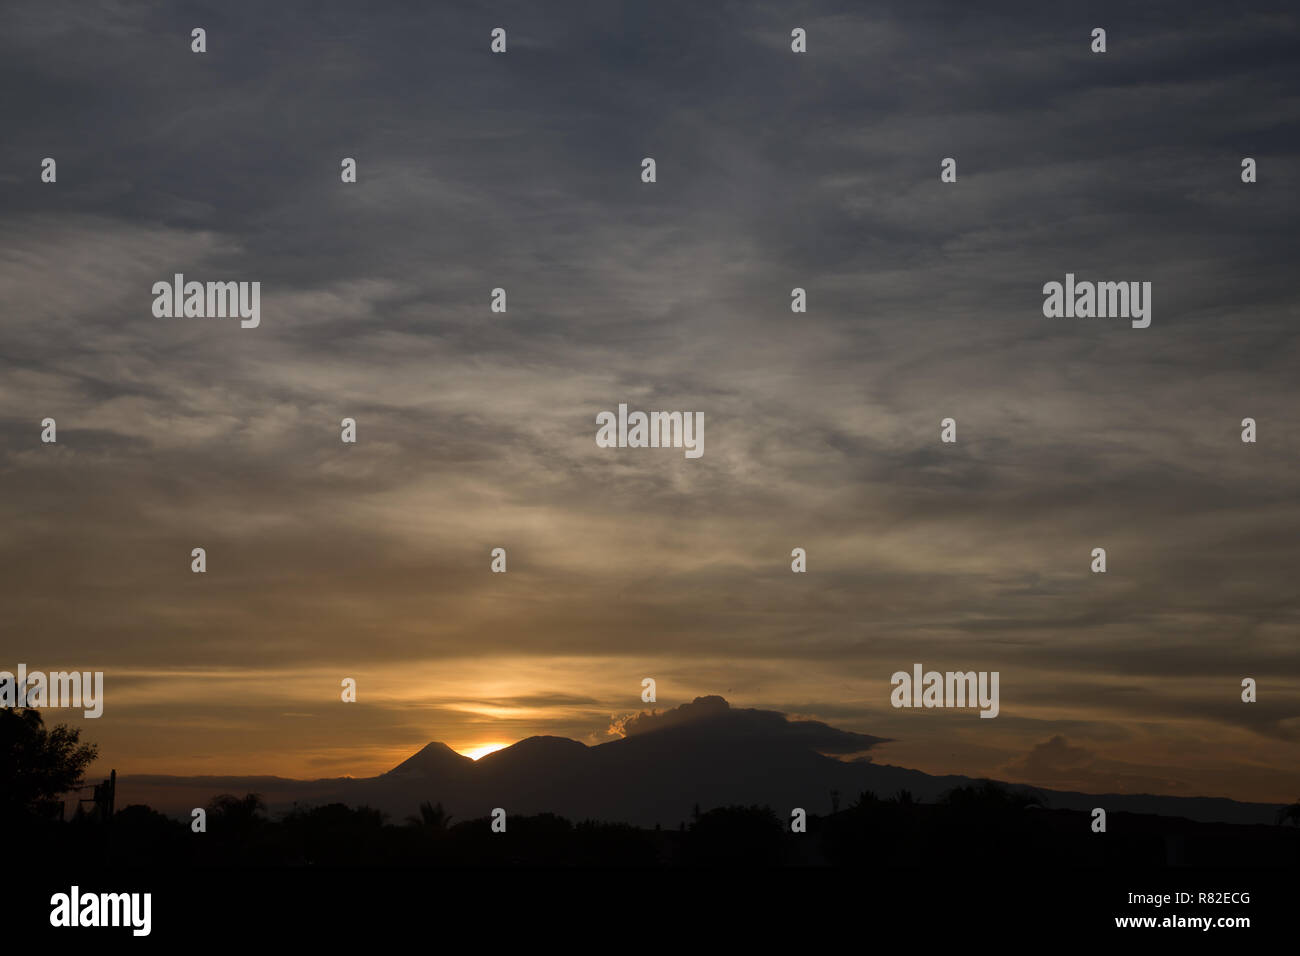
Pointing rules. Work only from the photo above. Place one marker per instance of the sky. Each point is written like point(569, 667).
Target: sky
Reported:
point(475, 430)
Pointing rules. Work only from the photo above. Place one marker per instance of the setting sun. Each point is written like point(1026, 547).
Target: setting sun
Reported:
point(482, 750)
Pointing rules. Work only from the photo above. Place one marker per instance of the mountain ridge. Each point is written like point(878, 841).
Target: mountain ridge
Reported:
point(703, 754)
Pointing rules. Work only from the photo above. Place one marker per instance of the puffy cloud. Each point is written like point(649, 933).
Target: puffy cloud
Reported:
point(1060, 765)
point(714, 715)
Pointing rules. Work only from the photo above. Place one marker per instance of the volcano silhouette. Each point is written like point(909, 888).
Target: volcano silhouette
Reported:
point(703, 754)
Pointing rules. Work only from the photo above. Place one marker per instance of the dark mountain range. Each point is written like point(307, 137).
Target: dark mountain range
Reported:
point(704, 754)
point(432, 760)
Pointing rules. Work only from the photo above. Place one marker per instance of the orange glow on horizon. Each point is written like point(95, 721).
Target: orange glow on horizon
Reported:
point(482, 750)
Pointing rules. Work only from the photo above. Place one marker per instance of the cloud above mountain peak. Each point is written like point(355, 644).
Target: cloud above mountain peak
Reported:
point(716, 715)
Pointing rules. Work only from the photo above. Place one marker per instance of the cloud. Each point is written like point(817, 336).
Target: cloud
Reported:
point(1060, 765)
point(476, 430)
point(714, 714)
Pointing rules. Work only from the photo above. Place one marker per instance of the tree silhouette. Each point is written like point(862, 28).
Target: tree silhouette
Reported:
point(239, 814)
point(1290, 813)
point(736, 836)
point(431, 817)
point(37, 765)
point(990, 795)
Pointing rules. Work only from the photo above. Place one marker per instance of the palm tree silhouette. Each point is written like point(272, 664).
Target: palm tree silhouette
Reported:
point(431, 817)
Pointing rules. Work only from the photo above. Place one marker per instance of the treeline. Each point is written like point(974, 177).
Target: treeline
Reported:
point(983, 827)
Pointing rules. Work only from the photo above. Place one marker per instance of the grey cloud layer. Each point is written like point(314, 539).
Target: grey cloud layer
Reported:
point(476, 430)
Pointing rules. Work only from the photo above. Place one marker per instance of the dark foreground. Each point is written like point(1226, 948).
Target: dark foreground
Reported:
point(979, 865)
